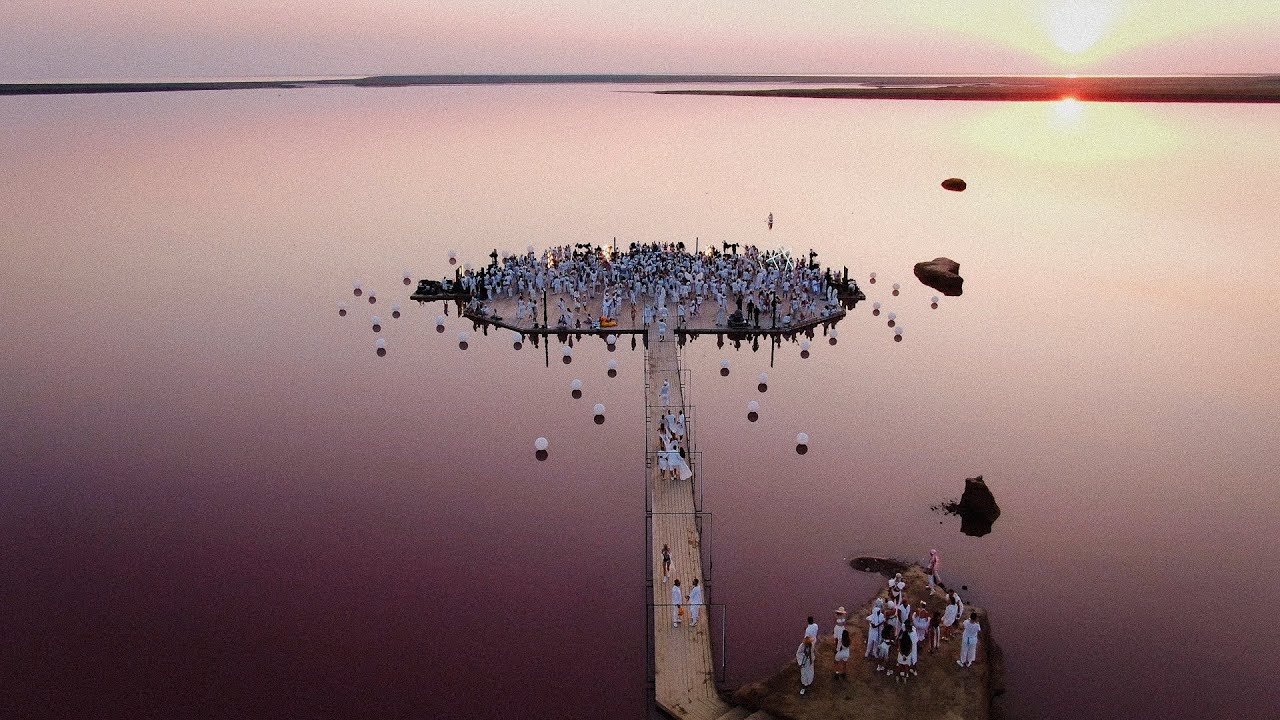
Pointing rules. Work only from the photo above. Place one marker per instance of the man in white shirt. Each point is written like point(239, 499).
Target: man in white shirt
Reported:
point(969, 642)
point(811, 631)
point(676, 599)
point(695, 602)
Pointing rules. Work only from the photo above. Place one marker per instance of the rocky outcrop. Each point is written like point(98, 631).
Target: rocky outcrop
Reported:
point(977, 508)
point(941, 274)
point(954, 184)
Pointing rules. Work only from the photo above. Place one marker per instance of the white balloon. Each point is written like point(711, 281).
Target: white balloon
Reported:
point(893, 316)
point(802, 439)
point(373, 293)
point(395, 307)
point(897, 330)
point(575, 384)
point(439, 320)
point(875, 305)
point(804, 344)
point(568, 351)
point(357, 285)
point(453, 253)
point(834, 332)
point(896, 286)
point(933, 299)
point(612, 339)
point(462, 336)
point(873, 274)
point(407, 275)
point(753, 406)
point(381, 343)
point(540, 444)
point(515, 336)
point(613, 364)
point(764, 378)
point(342, 306)
point(724, 363)
point(599, 408)
point(529, 250)
point(377, 320)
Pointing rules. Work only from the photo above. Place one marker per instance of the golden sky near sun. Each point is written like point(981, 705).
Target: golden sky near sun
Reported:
point(167, 38)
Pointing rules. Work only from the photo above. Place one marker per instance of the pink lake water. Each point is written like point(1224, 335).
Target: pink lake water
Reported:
point(218, 502)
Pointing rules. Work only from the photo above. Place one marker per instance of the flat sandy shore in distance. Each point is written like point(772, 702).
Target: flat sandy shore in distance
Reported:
point(1209, 88)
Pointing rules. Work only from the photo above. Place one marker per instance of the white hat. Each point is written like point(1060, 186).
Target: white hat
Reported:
point(840, 610)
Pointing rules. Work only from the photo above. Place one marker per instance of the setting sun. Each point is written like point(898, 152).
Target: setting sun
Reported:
point(1077, 25)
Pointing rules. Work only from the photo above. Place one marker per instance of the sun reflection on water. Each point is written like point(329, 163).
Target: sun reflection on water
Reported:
point(1069, 131)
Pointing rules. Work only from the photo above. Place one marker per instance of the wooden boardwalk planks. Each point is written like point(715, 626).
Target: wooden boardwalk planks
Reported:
point(685, 682)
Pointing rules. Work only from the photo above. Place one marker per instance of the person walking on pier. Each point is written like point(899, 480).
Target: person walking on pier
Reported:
point(804, 658)
point(664, 392)
point(676, 603)
point(666, 562)
point(695, 602)
point(969, 641)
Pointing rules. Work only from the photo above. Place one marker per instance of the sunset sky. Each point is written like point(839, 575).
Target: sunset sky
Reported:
point(127, 39)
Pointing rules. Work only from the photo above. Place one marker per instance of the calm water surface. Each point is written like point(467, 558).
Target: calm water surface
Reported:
point(217, 502)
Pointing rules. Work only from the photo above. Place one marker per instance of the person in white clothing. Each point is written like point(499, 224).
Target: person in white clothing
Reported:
point(676, 599)
point(950, 616)
point(664, 393)
point(695, 602)
point(805, 659)
point(811, 630)
point(842, 617)
point(875, 623)
point(969, 642)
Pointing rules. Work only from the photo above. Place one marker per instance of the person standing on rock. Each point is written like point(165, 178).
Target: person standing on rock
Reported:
point(695, 602)
point(676, 599)
point(932, 571)
point(904, 656)
point(811, 630)
point(841, 618)
point(935, 631)
point(920, 622)
point(842, 654)
point(904, 616)
point(875, 623)
point(969, 642)
point(896, 586)
point(804, 658)
point(951, 615)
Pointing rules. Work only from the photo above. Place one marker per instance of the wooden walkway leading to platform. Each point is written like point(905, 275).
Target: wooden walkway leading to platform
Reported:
point(685, 667)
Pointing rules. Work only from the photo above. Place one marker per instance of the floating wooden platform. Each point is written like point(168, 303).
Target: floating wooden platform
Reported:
point(501, 312)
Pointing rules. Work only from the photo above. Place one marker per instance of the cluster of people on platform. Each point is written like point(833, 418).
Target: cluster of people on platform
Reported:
point(658, 283)
point(897, 631)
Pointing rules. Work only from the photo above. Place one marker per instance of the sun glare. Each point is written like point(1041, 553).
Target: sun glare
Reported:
point(1077, 25)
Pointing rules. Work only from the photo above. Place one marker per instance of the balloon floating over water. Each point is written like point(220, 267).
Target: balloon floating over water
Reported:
point(381, 346)
point(613, 368)
point(408, 277)
point(342, 309)
point(462, 340)
point(875, 309)
point(802, 443)
point(373, 296)
point(933, 302)
point(834, 335)
point(377, 324)
point(897, 334)
point(453, 257)
point(724, 368)
point(896, 288)
point(599, 411)
point(357, 288)
point(395, 310)
point(568, 354)
point(872, 279)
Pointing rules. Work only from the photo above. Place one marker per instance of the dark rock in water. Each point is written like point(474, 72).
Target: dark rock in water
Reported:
point(977, 508)
point(885, 566)
point(941, 274)
point(954, 184)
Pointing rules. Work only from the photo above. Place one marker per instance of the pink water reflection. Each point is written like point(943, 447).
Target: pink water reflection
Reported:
point(220, 502)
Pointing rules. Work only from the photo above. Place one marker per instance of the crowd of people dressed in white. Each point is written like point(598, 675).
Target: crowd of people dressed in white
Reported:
point(656, 283)
point(897, 631)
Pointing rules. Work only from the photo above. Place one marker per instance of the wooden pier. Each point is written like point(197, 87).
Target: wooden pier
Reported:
point(684, 663)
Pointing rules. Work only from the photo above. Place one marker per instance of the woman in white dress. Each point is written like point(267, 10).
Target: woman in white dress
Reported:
point(949, 616)
point(804, 658)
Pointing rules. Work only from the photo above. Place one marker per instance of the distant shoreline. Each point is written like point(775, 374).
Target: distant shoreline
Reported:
point(1202, 89)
